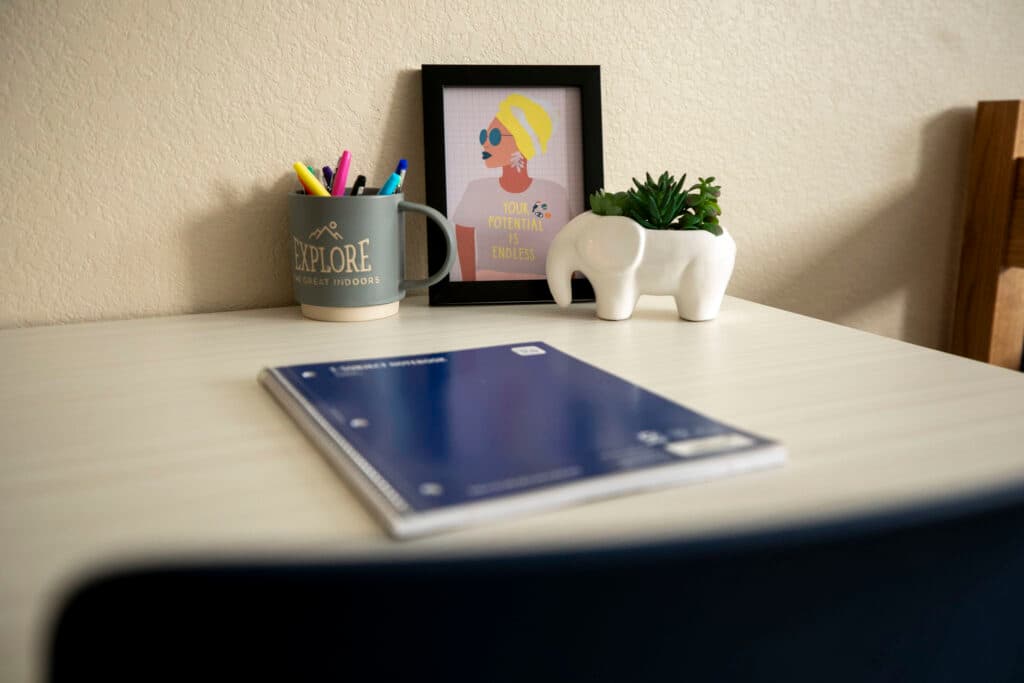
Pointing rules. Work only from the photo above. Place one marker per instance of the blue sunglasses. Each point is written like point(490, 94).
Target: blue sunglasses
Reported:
point(494, 136)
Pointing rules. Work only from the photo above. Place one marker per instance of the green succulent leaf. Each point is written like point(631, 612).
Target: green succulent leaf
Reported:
point(608, 204)
point(665, 203)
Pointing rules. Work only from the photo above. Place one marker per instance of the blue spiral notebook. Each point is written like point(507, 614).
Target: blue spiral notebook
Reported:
point(440, 441)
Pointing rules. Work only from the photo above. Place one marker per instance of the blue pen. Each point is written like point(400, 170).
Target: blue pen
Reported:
point(391, 184)
point(403, 165)
point(328, 175)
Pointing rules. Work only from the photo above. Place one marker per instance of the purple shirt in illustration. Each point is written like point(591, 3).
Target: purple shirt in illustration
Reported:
point(513, 230)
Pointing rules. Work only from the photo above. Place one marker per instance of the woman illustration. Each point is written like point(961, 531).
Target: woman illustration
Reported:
point(505, 224)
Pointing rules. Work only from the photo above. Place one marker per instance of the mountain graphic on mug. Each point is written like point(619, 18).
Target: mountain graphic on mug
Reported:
point(331, 229)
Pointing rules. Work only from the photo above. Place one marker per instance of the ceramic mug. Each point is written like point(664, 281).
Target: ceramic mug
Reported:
point(348, 254)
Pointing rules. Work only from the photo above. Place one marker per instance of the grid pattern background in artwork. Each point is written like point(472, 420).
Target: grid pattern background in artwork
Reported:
point(469, 109)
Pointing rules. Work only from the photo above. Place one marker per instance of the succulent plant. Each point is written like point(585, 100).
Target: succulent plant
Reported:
point(664, 204)
point(609, 204)
point(702, 209)
point(655, 205)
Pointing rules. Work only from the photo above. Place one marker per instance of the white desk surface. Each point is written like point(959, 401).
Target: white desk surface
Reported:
point(151, 437)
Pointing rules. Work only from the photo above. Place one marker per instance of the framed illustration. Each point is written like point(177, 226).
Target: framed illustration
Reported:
point(512, 153)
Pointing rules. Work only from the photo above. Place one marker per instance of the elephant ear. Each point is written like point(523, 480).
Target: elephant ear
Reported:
point(611, 243)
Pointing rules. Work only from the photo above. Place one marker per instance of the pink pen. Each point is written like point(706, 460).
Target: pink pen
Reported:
point(341, 175)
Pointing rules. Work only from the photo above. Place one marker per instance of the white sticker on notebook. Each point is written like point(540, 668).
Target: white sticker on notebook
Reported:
point(709, 444)
point(649, 437)
point(528, 351)
point(430, 488)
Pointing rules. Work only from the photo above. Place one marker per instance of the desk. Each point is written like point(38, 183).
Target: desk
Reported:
point(151, 437)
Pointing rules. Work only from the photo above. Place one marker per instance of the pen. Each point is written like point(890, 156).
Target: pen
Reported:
point(400, 170)
point(309, 181)
point(358, 186)
point(391, 184)
point(328, 175)
point(341, 174)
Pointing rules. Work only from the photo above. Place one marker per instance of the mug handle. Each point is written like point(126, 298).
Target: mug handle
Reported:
point(449, 238)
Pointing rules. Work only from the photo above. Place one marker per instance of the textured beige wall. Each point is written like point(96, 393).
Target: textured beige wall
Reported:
point(146, 146)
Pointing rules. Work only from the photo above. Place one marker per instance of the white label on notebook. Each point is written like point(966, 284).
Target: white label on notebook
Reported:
point(709, 444)
point(649, 437)
point(528, 351)
point(431, 488)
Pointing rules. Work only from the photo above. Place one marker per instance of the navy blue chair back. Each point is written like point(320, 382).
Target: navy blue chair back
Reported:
point(931, 599)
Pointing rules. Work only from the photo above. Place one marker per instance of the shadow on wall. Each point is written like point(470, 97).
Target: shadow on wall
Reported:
point(911, 245)
point(402, 137)
point(238, 253)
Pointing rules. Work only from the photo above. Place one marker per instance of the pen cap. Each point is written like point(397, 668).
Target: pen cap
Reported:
point(341, 174)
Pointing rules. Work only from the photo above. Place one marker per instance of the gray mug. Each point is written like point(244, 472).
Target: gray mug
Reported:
point(348, 254)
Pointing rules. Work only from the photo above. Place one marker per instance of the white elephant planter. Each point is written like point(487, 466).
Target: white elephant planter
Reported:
point(623, 260)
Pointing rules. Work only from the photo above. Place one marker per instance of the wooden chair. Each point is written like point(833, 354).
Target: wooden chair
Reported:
point(988, 323)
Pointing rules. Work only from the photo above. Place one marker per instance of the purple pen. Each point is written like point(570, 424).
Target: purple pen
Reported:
point(328, 175)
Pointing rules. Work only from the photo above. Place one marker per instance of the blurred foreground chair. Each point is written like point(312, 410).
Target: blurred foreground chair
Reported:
point(929, 596)
point(988, 323)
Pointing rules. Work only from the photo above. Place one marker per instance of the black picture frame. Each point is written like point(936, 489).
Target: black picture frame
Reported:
point(436, 78)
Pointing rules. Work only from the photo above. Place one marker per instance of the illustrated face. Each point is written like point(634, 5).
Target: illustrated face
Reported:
point(498, 145)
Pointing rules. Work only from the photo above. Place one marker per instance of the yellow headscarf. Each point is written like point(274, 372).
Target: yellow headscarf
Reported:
point(528, 123)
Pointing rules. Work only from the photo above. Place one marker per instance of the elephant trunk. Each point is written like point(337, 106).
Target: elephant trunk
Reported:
point(560, 268)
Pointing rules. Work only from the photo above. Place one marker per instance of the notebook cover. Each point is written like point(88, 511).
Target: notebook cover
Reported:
point(457, 429)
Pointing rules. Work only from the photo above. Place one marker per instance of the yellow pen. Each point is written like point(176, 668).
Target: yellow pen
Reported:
point(310, 182)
